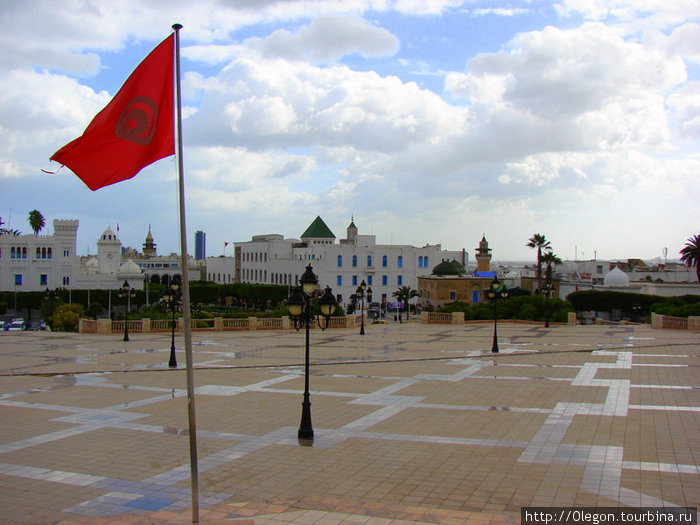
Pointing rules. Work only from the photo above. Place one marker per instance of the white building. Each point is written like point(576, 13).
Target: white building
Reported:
point(343, 266)
point(31, 263)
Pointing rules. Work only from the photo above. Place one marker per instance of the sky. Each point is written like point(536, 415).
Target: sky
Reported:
point(425, 121)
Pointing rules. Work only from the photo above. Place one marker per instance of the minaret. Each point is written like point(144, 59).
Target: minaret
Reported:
point(483, 255)
point(149, 247)
point(352, 231)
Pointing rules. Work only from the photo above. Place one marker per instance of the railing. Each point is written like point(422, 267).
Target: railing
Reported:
point(678, 323)
point(269, 324)
point(437, 318)
point(675, 323)
point(235, 324)
point(162, 325)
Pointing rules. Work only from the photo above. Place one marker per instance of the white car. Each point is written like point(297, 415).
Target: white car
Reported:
point(17, 326)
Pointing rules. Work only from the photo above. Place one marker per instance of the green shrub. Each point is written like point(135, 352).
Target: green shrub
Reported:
point(66, 316)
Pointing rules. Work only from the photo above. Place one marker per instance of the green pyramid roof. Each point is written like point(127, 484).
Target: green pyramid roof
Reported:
point(318, 229)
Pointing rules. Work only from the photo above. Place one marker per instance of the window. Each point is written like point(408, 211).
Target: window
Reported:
point(49, 253)
point(385, 280)
point(354, 280)
point(369, 280)
point(43, 280)
point(453, 296)
point(66, 281)
point(38, 253)
point(24, 252)
point(18, 279)
point(399, 261)
point(420, 261)
point(425, 261)
point(12, 252)
point(384, 261)
point(339, 280)
point(43, 253)
point(354, 260)
point(369, 261)
point(399, 280)
point(340, 261)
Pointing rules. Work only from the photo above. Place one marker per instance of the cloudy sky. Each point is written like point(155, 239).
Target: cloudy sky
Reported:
point(429, 121)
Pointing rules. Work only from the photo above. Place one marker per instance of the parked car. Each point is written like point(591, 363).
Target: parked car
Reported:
point(3, 325)
point(17, 326)
point(37, 325)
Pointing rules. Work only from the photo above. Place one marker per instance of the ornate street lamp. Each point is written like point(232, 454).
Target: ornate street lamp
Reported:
point(547, 289)
point(299, 304)
point(360, 293)
point(496, 292)
point(51, 295)
point(172, 300)
point(128, 293)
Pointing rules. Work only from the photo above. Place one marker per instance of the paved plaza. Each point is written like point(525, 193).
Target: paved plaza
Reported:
point(414, 423)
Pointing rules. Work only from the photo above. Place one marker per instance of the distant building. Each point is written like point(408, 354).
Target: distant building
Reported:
point(450, 282)
point(200, 245)
point(342, 265)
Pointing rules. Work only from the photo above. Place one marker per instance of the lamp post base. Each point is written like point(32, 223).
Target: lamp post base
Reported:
point(306, 430)
point(173, 360)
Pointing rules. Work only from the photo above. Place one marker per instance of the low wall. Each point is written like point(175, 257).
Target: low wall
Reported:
point(675, 323)
point(217, 324)
point(458, 318)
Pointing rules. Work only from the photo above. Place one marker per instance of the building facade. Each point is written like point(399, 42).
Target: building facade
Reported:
point(31, 263)
point(342, 264)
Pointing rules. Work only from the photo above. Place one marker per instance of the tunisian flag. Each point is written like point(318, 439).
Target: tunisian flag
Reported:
point(134, 130)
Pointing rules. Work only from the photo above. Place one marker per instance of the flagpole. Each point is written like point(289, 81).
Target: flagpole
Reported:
point(185, 287)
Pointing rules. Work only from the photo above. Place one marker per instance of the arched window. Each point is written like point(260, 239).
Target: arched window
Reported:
point(38, 252)
point(49, 252)
point(24, 252)
point(384, 261)
point(340, 261)
point(12, 252)
point(354, 260)
point(399, 261)
point(425, 261)
point(43, 253)
point(420, 261)
point(369, 261)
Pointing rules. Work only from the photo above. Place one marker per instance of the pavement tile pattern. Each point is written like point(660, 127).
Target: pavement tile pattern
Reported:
point(413, 424)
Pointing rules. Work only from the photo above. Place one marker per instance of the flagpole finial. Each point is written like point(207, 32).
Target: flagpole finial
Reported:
point(177, 27)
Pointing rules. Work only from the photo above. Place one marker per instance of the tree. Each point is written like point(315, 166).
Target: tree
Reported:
point(690, 254)
point(36, 221)
point(405, 294)
point(541, 243)
point(6, 231)
point(551, 260)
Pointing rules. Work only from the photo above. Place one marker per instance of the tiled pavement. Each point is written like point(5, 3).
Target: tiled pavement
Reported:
point(414, 424)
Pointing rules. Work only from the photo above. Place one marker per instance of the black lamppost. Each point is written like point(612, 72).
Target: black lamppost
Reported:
point(547, 291)
point(172, 300)
point(360, 293)
point(299, 303)
point(129, 293)
point(495, 292)
point(51, 295)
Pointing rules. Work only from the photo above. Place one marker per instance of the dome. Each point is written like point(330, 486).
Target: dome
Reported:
point(109, 235)
point(129, 268)
point(448, 268)
point(616, 278)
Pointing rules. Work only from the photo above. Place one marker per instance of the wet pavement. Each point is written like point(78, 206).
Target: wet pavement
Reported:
point(413, 424)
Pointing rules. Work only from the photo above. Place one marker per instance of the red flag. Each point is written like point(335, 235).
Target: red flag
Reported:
point(134, 130)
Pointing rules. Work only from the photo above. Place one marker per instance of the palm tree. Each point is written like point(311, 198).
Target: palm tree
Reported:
point(551, 260)
point(541, 243)
point(405, 294)
point(690, 254)
point(36, 221)
point(7, 231)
